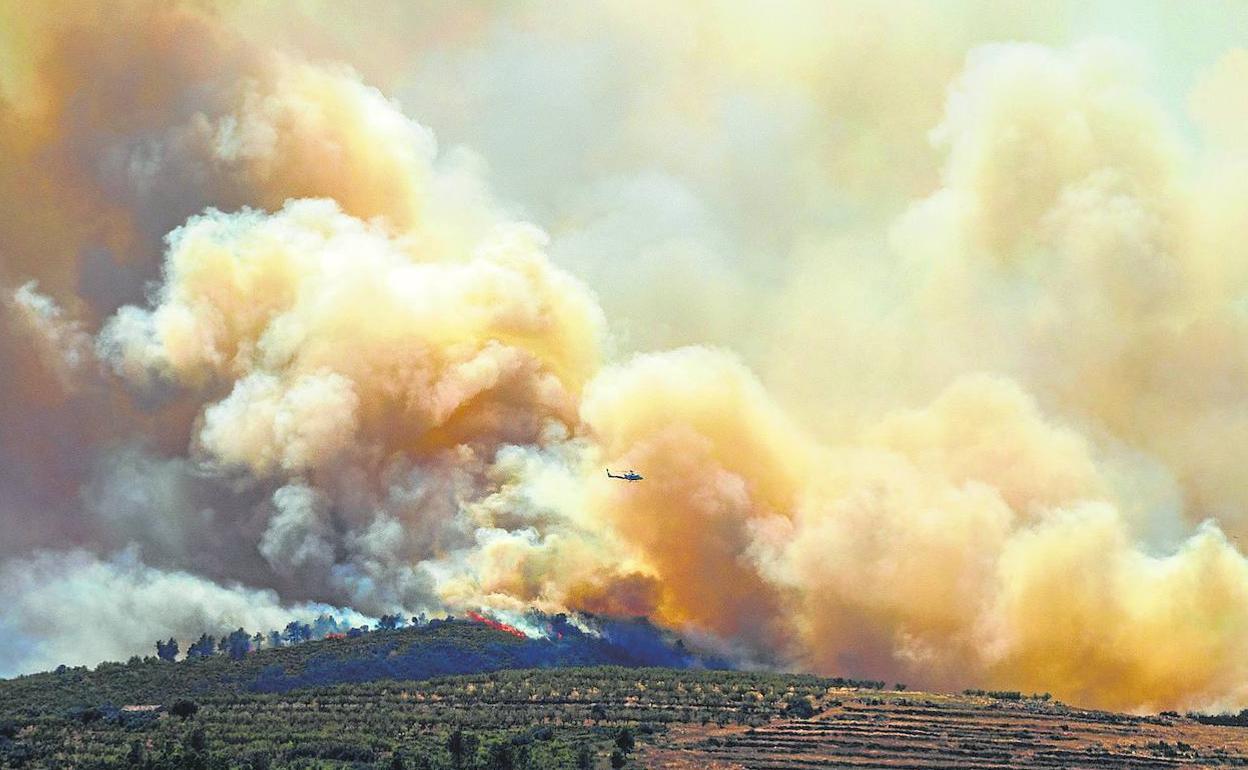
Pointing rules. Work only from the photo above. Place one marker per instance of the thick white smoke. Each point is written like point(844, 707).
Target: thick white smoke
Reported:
point(72, 606)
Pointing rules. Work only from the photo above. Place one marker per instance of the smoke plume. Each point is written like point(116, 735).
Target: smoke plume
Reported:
point(931, 348)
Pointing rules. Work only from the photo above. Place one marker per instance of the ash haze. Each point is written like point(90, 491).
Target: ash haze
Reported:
point(926, 323)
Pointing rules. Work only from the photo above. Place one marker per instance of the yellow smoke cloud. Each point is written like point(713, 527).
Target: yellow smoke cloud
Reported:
point(721, 458)
point(971, 539)
point(332, 333)
point(1026, 363)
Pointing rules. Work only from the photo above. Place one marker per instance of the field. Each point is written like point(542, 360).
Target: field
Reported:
point(926, 731)
point(211, 713)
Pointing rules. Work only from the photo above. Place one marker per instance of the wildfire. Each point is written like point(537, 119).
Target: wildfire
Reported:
point(479, 618)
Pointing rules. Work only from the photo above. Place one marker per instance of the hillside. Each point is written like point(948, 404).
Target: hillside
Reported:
point(383, 700)
point(439, 648)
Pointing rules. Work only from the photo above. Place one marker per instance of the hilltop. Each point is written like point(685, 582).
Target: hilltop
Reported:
point(439, 648)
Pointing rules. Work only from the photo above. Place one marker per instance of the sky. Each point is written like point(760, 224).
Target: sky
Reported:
point(925, 323)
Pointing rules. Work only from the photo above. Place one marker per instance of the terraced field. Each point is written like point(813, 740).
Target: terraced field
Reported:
point(933, 732)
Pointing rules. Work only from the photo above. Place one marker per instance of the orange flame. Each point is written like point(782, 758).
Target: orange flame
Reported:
point(479, 618)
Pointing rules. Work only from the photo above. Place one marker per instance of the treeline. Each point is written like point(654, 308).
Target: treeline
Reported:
point(591, 642)
point(1007, 695)
point(1233, 720)
point(239, 642)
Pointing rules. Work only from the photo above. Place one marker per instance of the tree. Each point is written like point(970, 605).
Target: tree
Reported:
point(501, 757)
point(800, 709)
point(624, 740)
point(323, 625)
point(134, 757)
point(584, 758)
point(388, 622)
point(202, 648)
point(237, 644)
point(167, 650)
point(89, 715)
point(297, 632)
point(617, 759)
point(422, 762)
point(460, 745)
point(455, 745)
point(184, 708)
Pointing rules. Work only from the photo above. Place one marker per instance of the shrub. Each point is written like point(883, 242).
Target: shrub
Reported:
point(800, 708)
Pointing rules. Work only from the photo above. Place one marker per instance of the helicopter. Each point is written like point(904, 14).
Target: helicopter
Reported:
point(630, 476)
